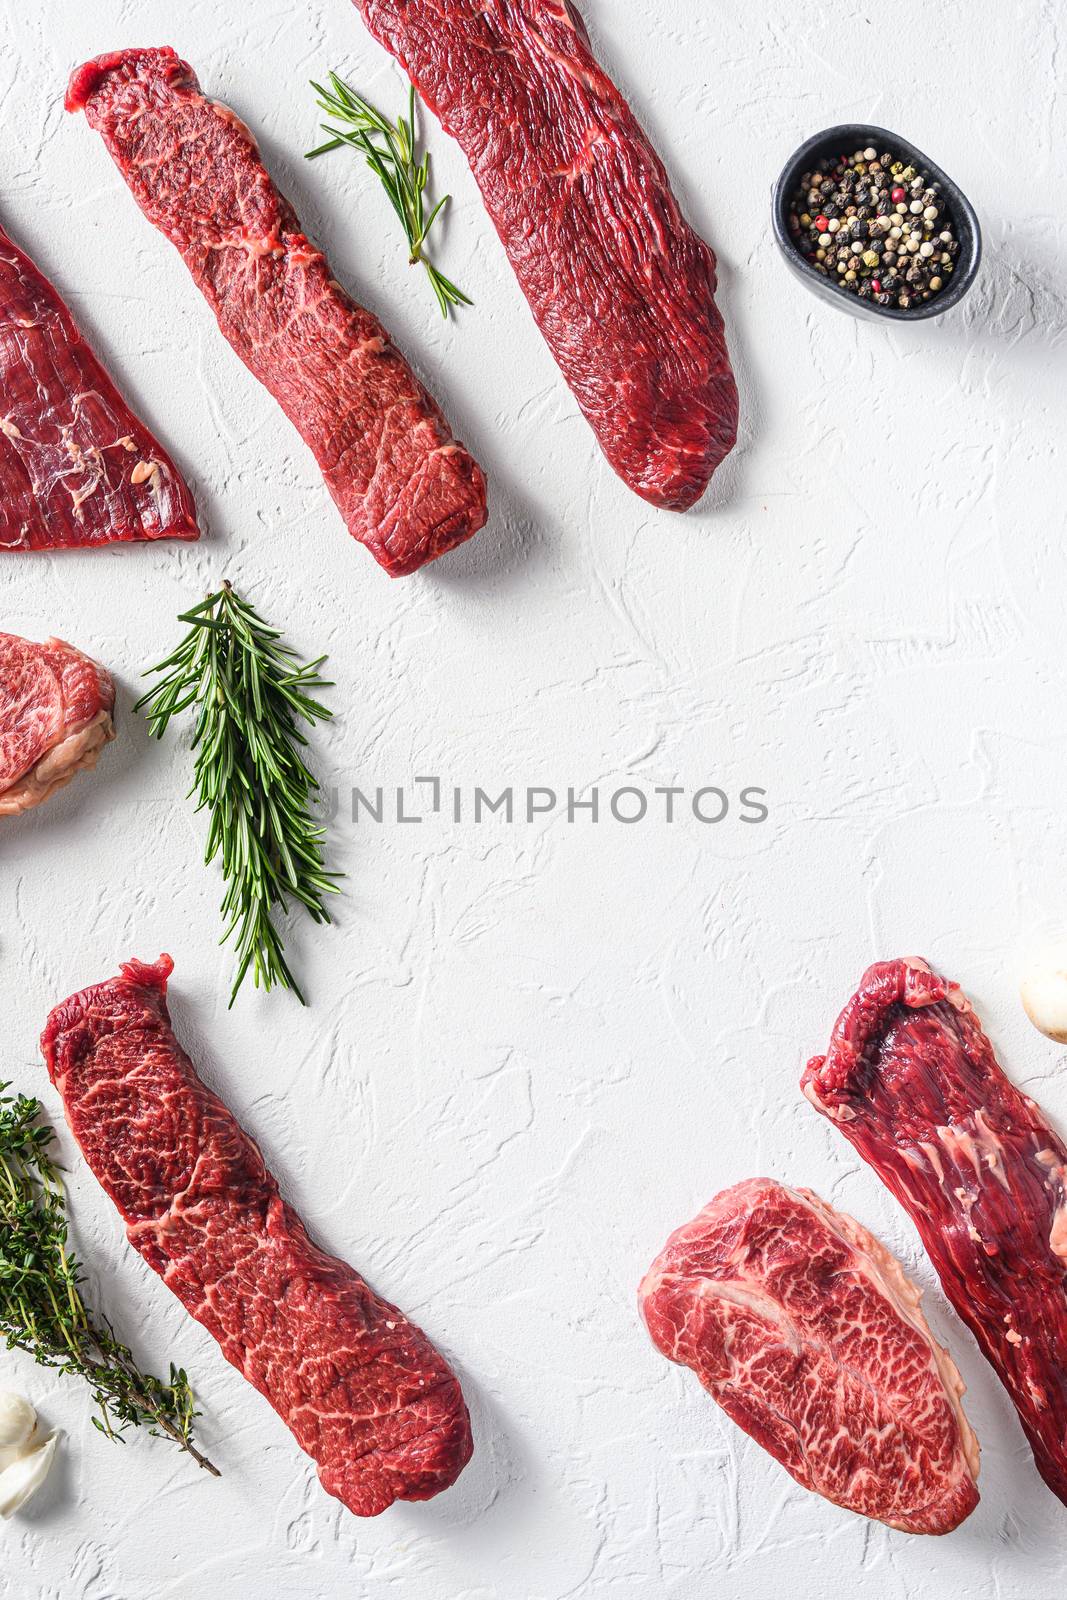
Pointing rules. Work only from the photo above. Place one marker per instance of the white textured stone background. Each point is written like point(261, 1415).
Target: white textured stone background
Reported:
point(532, 1050)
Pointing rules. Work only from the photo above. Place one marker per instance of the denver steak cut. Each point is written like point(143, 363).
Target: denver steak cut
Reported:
point(911, 1081)
point(619, 284)
point(77, 468)
point(807, 1332)
point(363, 1390)
point(404, 486)
point(56, 710)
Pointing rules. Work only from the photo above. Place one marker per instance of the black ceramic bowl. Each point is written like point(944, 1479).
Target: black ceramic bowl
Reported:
point(857, 136)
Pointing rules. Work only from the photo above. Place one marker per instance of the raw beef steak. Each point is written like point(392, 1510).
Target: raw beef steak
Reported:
point(76, 466)
point(363, 1390)
point(404, 486)
point(807, 1332)
point(56, 711)
point(911, 1081)
point(619, 284)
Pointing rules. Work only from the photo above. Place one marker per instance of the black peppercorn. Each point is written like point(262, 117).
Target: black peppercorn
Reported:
point(841, 218)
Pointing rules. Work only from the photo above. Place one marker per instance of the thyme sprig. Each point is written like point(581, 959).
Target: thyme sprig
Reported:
point(42, 1304)
point(250, 692)
point(391, 151)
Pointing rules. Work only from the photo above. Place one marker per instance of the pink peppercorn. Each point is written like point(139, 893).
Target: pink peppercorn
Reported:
point(899, 194)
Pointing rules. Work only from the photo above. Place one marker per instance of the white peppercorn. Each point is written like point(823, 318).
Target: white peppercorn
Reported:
point(876, 226)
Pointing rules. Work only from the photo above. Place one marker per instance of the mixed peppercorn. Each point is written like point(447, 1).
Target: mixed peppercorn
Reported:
point(875, 226)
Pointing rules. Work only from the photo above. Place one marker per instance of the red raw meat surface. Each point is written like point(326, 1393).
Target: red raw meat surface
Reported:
point(77, 468)
point(405, 488)
point(807, 1332)
point(363, 1390)
point(621, 287)
point(56, 709)
point(911, 1081)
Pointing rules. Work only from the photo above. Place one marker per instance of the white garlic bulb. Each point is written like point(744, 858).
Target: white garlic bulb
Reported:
point(25, 1476)
point(1043, 991)
point(17, 1419)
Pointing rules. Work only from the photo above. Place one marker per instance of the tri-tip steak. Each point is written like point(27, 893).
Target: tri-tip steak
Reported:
point(77, 467)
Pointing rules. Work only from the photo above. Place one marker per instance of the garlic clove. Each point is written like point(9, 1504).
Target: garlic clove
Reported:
point(17, 1419)
point(25, 1476)
point(1043, 991)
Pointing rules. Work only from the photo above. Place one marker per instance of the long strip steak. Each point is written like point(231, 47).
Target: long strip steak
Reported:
point(405, 488)
point(809, 1335)
point(56, 711)
point(363, 1390)
point(618, 282)
point(912, 1082)
point(77, 468)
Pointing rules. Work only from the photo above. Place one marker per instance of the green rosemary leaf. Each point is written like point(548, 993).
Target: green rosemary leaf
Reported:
point(391, 152)
point(252, 692)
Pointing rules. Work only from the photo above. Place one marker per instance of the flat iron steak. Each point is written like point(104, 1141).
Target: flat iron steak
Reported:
point(362, 1389)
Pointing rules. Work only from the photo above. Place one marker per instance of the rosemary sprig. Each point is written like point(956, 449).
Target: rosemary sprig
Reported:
point(391, 152)
point(42, 1306)
point(250, 690)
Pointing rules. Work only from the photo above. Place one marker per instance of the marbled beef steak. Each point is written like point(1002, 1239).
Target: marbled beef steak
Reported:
point(621, 287)
point(807, 1332)
point(77, 468)
point(912, 1082)
point(363, 1390)
point(405, 488)
point(56, 708)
